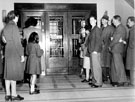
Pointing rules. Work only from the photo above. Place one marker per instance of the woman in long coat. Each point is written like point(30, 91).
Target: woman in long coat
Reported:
point(107, 32)
point(13, 70)
point(130, 59)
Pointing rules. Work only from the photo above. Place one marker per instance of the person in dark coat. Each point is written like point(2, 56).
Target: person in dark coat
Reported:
point(117, 47)
point(107, 32)
point(14, 56)
point(1, 63)
point(31, 26)
point(34, 53)
point(94, 49)
point(130, 57)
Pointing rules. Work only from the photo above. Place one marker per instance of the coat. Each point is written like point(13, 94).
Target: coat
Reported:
point(130, 57)
point(34, 58)
point(1, 59)
point(26, 34)
point(107, 32)
point(94, 40)
point(13, 68)
point(119, 33)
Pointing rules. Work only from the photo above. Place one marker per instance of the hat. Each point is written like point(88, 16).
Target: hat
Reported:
point(105, 17)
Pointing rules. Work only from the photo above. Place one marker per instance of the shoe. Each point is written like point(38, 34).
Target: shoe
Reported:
point(120, 84)
point(114, 84)
point(85, 80)
point(18, 98)
point(35, 92)
point(7, 97)
point(90, 83)
point(96, 86)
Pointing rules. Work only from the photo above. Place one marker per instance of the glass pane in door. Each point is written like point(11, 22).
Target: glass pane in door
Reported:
point(56, 36)
point(76, 25)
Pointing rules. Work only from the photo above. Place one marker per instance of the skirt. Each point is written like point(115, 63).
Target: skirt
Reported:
point(86, 62)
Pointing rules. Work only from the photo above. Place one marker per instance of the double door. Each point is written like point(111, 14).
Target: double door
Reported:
point(60, 39)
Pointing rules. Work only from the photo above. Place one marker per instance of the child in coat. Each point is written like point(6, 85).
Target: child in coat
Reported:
point(34, 53)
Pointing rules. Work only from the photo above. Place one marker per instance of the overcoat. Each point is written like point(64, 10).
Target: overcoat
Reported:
point(94, 40)
point(13, 68)
point(130, 57)
point(107, 32)
point(34, 58)
point(117, 48)
point(1, 59)
point(26, 34)
point(115, 45)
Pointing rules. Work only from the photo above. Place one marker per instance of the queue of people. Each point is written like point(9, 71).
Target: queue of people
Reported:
point(104, 51)
point(111, 52)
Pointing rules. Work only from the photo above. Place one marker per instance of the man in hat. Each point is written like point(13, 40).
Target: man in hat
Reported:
point(130, 56)
point(107, 32)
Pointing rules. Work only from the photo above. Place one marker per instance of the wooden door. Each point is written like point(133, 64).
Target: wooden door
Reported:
point(56, 43)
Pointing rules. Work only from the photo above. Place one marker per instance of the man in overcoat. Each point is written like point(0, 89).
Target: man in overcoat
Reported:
point(117, 46)
point(130, 57)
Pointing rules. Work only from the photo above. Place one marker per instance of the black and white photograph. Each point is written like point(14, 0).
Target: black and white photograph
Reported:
point(67, 50)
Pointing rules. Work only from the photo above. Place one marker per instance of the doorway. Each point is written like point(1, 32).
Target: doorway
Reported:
point(59, 24)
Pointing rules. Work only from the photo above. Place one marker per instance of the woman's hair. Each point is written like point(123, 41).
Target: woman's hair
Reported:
point(11, 15)
point(31, 21)
point(33, 38)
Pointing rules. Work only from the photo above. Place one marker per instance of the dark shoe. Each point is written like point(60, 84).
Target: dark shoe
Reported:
point(35, 92)
point(114, 84)
point(120, 84)
point(18, 98)
point(85, 81)
point(96, 86)
point(7, 97)
point(90, 83)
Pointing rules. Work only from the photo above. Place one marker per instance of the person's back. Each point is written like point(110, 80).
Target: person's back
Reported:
point(34, 54)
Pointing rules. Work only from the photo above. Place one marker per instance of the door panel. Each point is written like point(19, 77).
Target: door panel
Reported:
point(56, 42)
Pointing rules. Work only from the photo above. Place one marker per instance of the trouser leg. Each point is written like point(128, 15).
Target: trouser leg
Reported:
point(119, 68)
point(97, 70)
